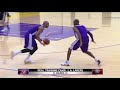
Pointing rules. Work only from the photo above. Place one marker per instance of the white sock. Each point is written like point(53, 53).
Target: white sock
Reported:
point(96, 59)
point(17, 52)
point(28, 57)
point(14, 54)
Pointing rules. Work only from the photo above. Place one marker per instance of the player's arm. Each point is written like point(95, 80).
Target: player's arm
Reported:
point(78, 34)
point(37, 34)
point(91, 35)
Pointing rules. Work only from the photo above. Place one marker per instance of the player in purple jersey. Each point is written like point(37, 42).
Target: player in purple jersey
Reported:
point(82, 41)
point(3, 17)
point(30, 43)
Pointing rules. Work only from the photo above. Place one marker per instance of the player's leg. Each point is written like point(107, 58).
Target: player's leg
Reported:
point(6, 28)
point(27, 40)
point(25, 51)
point(28, 60)
point(91, 55)
point(68, 54)
point(13, 54)
point(34, 45)
point(74, 46)
point(84, 49)
point(1, 18)
point(8, 15)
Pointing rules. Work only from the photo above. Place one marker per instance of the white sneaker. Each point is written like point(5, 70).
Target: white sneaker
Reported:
point(4, 30)
point(27, 61)
point(66, 63)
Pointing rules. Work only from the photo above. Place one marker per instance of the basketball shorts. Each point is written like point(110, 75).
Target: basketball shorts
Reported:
point(76, 44)
point(30, 42)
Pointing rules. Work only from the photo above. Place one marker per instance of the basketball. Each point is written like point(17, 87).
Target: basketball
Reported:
point(46, 41)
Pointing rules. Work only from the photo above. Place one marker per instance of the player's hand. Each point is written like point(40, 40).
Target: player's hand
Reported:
point(42, 43)
point(93, 41)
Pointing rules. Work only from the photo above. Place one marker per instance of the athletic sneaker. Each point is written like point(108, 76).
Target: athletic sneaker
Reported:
point(4, 30)
point(66, 63)
point(27, 61)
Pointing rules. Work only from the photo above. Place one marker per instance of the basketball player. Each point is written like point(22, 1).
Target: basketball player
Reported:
point(3, 16)
point(30, 43)
point(82, 41)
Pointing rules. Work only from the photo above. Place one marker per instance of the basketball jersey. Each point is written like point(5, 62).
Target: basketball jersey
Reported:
point(33, 30)
point(82, 31)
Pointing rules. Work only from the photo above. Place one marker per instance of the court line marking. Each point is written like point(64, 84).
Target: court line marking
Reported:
point(76, 50)
point(9, 69)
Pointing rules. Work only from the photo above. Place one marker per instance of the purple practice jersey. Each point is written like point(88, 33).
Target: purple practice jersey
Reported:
point(85, 39)
point(33, 30)
point(30, 42)
point(82, 30)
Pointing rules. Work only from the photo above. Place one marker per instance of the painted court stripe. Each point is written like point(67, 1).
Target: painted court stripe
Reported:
point(9, 69)
point(77, 50)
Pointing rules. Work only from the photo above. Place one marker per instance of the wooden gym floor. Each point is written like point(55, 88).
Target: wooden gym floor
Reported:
point(107, 47)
